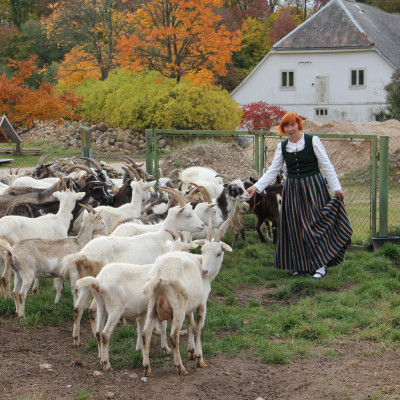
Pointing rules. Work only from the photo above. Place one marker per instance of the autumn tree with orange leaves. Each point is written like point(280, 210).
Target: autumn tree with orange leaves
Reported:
point(179, 39)
point(96, 25)
point(24, 105)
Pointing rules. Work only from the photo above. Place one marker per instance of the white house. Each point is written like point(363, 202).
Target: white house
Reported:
point(334, 66)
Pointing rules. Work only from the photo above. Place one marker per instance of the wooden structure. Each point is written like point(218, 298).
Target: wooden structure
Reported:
point(8, 134)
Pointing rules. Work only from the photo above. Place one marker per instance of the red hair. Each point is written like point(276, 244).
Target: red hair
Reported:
point(290, 118)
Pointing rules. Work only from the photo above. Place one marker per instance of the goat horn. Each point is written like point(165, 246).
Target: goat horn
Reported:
point(134, 172)
point(87, 207)
point(182, 236)
point(96, 164)
point(209, 231)
point(203, 191)
point(254, 172)
point(220, 231)
point(175, 237)
point(160, 171)
point(143, 172)
point(223, 176)
point(63, 183)
point(80, 166)
point(176, 195)
point(174, 171)
point(131, 160)
point(42, 158)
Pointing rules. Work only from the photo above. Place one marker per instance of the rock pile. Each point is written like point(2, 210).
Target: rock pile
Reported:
point(104, 138)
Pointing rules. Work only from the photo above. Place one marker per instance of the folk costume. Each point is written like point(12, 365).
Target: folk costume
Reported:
point(314, 230)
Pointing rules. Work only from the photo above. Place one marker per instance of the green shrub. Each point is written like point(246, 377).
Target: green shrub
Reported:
point(148, 100)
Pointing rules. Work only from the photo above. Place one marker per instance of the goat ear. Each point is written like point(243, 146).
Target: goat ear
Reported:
point(226, 247)
point(200, 242)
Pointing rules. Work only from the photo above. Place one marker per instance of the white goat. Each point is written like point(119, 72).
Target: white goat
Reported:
point(142, 249)
point(204, 211)
point(112, 215)
point(41, 258)
point(28, 181)
point(50, 226)
point(178, 286)
point(203, 176)
point(117, 291)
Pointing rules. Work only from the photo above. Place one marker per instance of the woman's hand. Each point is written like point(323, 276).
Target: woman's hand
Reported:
point(251, 190)
point(340, 194)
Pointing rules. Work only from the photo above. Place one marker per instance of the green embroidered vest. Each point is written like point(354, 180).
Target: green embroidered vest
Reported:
point(301, 163)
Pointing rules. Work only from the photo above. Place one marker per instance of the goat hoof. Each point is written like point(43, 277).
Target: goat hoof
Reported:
point(147, 371)
point(202, 365)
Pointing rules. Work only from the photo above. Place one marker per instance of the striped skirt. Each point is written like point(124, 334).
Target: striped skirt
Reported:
point(314, 229)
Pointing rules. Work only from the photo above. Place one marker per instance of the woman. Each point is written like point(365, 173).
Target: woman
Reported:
point(314, 230)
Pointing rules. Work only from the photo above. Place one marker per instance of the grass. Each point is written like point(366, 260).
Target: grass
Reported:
point(358, 299)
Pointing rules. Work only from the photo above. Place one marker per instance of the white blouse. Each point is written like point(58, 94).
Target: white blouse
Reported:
point(320, 152)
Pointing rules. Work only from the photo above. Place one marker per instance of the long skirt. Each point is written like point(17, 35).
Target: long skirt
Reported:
point(314, 230)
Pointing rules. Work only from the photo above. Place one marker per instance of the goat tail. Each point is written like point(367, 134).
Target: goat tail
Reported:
point(6, 248)
point(152, 286)
point(84, 286)
point(87, 283)
point(70, 261)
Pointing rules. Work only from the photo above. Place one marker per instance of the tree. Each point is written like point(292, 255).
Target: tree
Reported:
point(24, 105)
point(255, 45)
point(179, 38)
point(95, 25)
point(285, 21)
point(393, 95)
point(78, 65)
point(259, 116)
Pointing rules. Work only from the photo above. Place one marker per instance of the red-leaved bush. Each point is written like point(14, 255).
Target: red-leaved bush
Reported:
point(260, 116)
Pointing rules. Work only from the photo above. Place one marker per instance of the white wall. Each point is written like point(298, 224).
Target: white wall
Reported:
point(344, 102)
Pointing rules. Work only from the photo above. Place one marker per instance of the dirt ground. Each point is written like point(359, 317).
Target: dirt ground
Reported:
point(42, 363)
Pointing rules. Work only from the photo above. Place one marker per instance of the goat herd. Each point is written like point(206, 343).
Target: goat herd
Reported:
point(124, 243)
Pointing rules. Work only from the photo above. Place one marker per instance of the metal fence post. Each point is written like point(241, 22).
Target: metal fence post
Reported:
point(149, 151)
point(86, 143)
point(374, 185)
point(256, 153)
point(383, 184)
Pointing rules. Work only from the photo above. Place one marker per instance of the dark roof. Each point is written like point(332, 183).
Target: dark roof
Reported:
point(7, 131)
point(347, 24)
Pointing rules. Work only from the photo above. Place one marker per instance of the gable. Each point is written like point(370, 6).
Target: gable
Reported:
point(346, 24)
point(7, 132)
point(331, 27)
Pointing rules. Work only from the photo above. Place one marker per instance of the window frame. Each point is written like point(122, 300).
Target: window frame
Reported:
point(357, 85)
point(287, 86)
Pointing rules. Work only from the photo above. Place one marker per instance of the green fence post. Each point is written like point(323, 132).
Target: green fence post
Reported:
point(149, 151)
point(383, 184)
point(86, 143)
point(256, 153)
point(374, 185)
point(261, 158)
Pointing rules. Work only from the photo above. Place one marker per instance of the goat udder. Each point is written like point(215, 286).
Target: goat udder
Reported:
point(164, 309)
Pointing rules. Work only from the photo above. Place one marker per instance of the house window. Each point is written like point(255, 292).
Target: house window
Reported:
point(357, 77)
point(320, 112)
point(287, 79)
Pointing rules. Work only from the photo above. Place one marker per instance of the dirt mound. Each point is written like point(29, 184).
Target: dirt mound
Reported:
point(226, 158)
